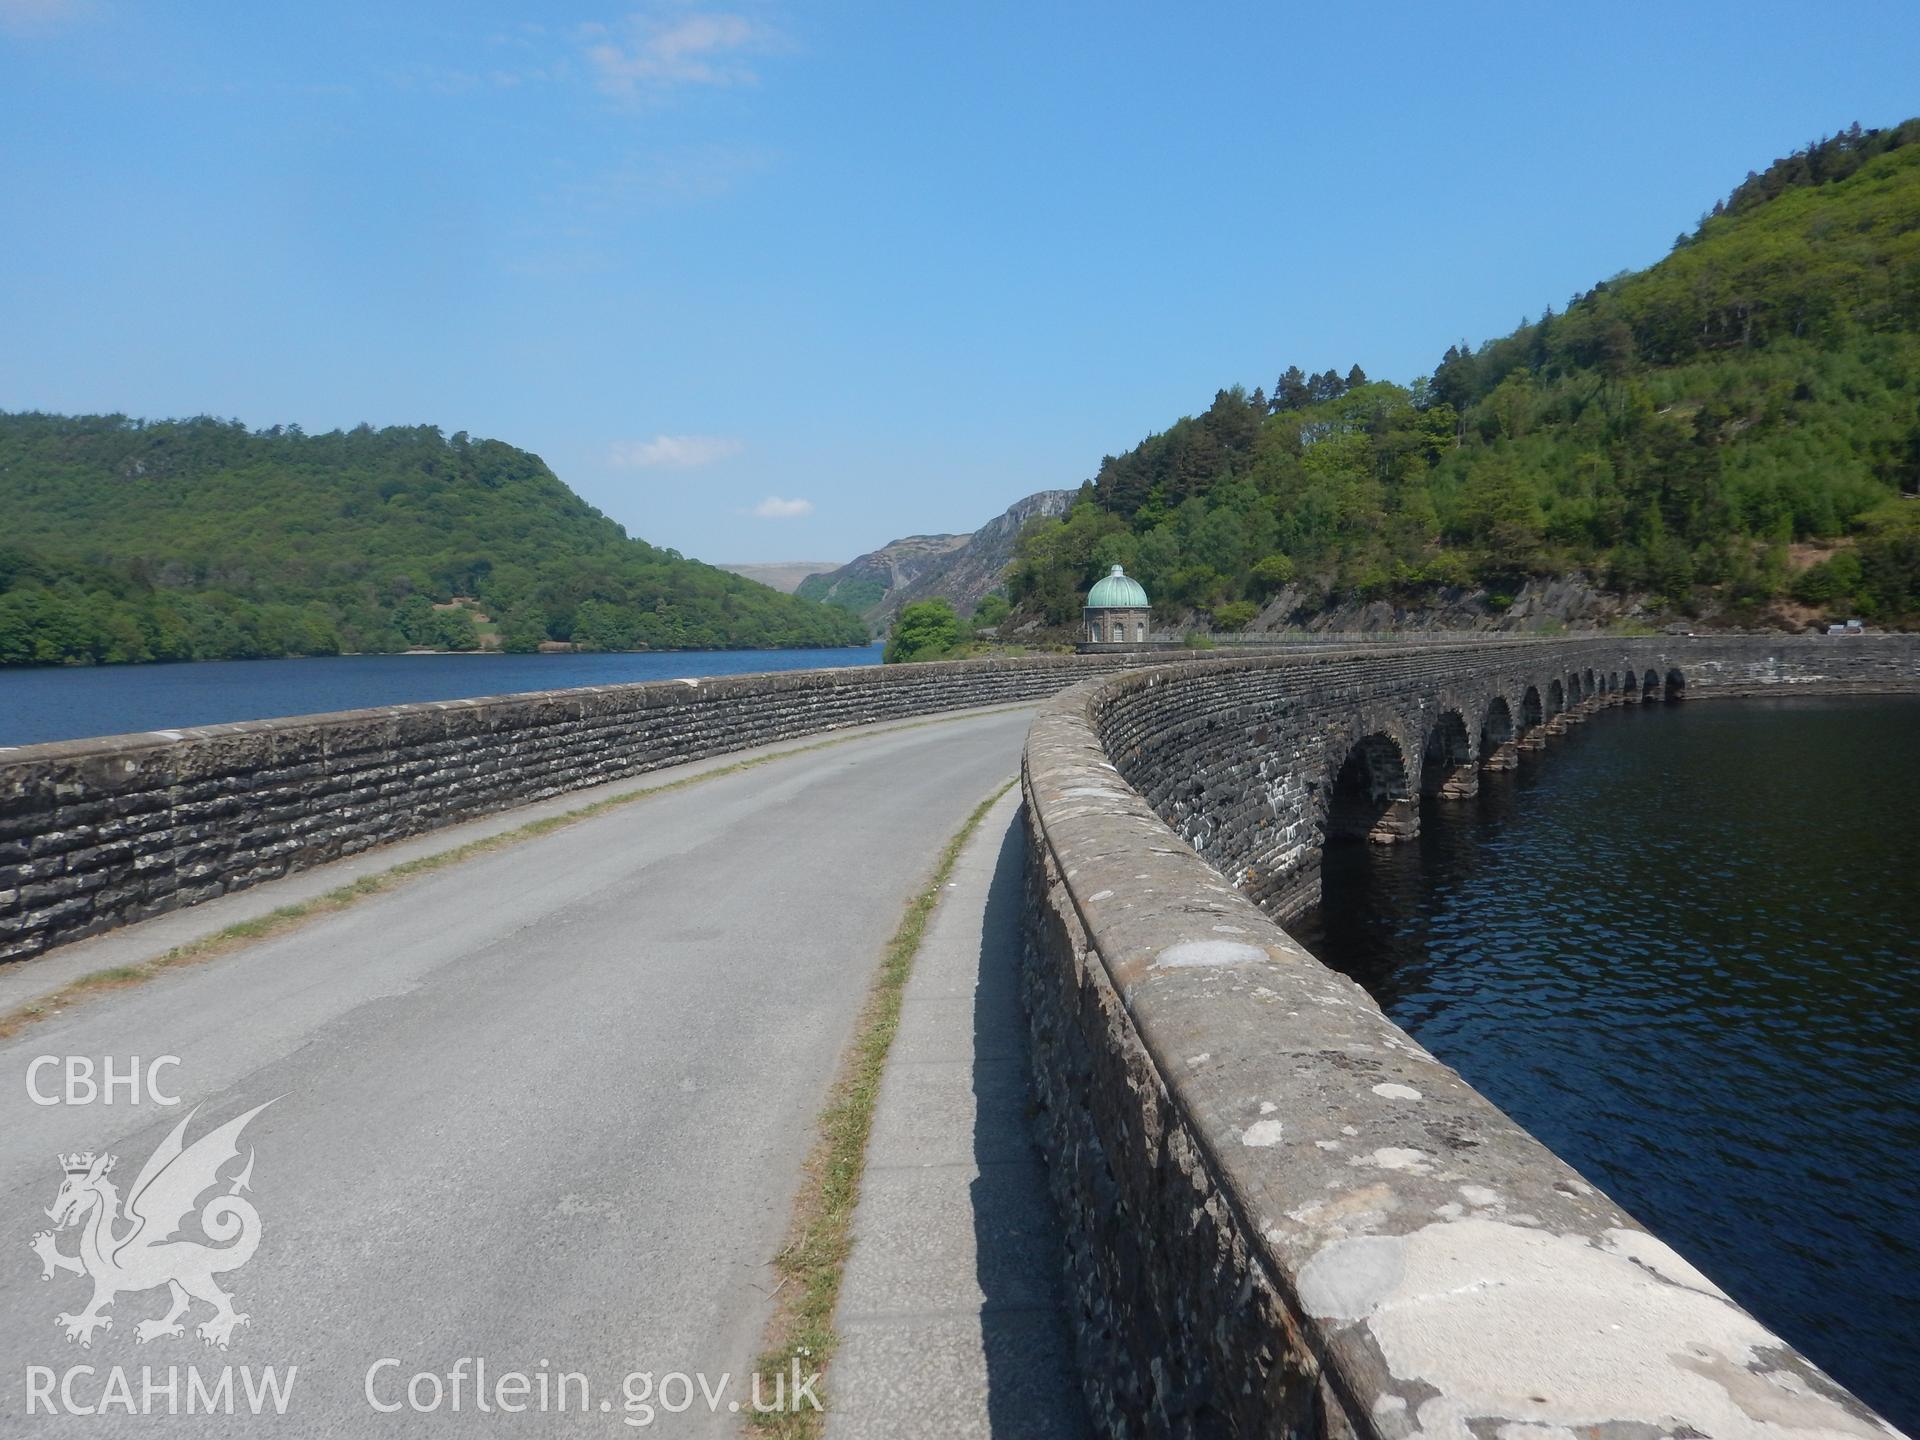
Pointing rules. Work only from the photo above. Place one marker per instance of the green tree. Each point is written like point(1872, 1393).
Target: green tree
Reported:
point(1235, 614)
point(924, 630)
point(1272, 572)
point(991, 610)
point(201, 539)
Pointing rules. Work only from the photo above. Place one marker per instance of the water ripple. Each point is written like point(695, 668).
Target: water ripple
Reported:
point(1680, 948)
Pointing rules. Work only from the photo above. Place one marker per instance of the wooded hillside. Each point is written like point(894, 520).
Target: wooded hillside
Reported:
point(1735, 431)
point(200, 539)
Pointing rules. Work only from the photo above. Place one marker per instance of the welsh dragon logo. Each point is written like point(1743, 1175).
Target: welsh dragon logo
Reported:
point(136, 1250)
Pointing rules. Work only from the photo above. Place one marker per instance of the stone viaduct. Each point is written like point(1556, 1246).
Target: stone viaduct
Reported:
point(1283, 1216)
point(1257, 764)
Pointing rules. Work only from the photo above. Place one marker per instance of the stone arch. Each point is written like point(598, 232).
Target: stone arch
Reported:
point(1532, 711)
point(1370, 797)
point(1447, 762)
point(1589, 685)
point(1496, 724)
point(1649, 685)
point(1576, 691)
point(1497, 734)
point(1556, 698)
point(1676, 685)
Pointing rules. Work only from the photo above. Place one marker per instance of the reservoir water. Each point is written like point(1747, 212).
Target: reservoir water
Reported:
point(1682, 947)
point(72, 702)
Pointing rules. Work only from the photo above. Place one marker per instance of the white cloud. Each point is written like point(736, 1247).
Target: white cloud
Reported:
point(649, 55)
point(774, 508)
point(673, 452)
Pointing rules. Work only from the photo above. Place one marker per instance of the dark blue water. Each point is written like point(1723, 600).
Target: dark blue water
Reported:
point(66, 704)
point(1683, 948)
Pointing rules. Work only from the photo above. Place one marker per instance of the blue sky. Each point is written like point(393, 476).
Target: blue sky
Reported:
point(776, 281)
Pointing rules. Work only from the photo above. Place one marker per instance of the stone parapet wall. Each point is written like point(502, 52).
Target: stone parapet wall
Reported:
point(97, 833)
point(1284, 1216)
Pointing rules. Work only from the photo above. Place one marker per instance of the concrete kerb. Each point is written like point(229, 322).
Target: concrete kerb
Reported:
point(950, 1311)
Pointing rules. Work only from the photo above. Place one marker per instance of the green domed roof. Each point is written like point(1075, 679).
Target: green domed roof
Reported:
point(1117, 592)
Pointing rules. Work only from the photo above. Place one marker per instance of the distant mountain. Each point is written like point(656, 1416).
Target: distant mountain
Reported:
point(782, 575)
point(125, 540)
point(863, 584)
point(963, 569)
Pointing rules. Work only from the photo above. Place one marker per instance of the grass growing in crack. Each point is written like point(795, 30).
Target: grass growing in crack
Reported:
point(287, 917)
point(814, 1259)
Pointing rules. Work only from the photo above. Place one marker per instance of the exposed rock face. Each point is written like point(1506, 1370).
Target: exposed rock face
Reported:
point(1570, 600)
point(863, 584)
point(970, 573)
point(961, 568)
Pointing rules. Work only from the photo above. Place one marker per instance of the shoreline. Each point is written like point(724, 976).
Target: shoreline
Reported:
point(423, 654)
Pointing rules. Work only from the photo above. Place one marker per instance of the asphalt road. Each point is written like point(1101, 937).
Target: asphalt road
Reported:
point(545, 1109)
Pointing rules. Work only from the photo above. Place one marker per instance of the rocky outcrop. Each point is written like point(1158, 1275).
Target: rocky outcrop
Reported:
point(967, 575)
point(863, 583)
point(963, 569)
point(1551, 604)
point(1571, 602)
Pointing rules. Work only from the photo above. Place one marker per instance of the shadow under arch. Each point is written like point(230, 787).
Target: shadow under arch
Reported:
point(1533, 716)
point(1447, 768)
point(1497, 734)
point(1371, 797)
